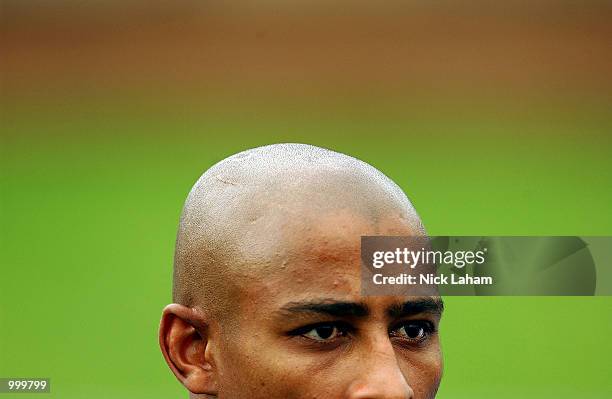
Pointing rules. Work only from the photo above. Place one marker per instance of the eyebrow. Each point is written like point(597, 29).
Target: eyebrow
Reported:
point(422, 305)
point(327, 307)
point(335, 308)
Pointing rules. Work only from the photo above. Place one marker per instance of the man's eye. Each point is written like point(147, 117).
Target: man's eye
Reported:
point(324, 332)
point(413, 331)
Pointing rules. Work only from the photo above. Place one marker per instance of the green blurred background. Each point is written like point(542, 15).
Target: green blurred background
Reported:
point(494, 118)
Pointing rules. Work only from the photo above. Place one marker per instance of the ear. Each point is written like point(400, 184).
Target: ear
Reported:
point(184, 342)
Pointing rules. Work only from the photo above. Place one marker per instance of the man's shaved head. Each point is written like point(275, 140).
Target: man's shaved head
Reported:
point(238, 214)
point(267, 284)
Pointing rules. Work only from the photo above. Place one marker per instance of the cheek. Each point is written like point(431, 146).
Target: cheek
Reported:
point(424, 372)
point(258, 367)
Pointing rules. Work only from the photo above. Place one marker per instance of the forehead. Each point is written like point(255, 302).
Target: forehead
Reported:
point(319, 257)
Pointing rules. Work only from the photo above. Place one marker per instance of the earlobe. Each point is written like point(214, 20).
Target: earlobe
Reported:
point(184, 342)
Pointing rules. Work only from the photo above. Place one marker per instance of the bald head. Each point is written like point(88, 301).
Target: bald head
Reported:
point(254, 211)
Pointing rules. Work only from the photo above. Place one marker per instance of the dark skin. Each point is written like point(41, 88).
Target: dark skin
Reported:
point(299, 328)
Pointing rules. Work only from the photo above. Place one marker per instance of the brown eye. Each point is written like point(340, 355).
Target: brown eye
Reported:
point(413, 331)
point(323, 332)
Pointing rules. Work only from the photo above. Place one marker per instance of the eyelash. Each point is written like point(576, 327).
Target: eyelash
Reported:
point(345, 328)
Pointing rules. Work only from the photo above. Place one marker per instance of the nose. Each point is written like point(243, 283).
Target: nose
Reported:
point(379, 375)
